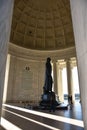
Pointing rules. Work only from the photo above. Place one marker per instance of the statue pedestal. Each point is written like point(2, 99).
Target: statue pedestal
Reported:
point(47, 99)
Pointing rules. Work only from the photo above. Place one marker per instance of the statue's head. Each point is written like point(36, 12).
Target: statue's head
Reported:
point(48, 59)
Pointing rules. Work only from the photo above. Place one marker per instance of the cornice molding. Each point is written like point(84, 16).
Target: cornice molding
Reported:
point(41, 55)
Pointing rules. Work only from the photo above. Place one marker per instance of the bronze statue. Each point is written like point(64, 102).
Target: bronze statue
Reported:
point(48, 98)
point(48, 78)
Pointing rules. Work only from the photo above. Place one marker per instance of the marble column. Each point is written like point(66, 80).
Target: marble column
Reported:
point(69, 79)
point(79, 19)
point(55, 77)
point(6, 7)
point(60, 86)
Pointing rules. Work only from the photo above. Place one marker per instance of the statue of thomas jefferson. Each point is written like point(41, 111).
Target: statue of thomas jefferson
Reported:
point(48, 78)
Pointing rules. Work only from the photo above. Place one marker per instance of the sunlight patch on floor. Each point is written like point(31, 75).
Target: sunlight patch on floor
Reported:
point(50, 116)
point(34, 121)
point(8, 125)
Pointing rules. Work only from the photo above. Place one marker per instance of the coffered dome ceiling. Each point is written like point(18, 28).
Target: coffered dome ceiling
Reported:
point(42, 24)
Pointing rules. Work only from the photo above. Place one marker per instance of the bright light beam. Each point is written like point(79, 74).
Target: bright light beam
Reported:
point(50, 116)
point(8, 125)
point(34, 121)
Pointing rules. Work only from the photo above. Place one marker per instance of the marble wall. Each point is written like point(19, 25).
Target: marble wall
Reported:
point(26, 80)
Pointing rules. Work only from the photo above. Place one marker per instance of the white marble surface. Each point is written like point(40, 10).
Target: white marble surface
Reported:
point(79, 17)
point(6, 7)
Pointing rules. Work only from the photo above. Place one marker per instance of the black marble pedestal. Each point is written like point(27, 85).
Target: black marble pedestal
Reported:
point(46, 100)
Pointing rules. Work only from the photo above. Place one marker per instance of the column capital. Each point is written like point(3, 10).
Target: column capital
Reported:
point(61, 63)
point(68, 60)
point(54, 61)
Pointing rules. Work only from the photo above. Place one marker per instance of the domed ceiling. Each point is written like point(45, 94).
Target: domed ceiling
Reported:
point(42, 24)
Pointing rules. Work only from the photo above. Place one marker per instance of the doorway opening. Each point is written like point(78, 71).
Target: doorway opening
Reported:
point(64, 83)
point(76, 83)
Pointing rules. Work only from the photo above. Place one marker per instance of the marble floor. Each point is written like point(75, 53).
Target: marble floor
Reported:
point(25, 119)
point(1, 128)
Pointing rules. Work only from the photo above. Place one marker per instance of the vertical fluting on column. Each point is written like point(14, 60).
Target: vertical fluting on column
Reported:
point(70, 79)
point(55, 77)
point(60, 85)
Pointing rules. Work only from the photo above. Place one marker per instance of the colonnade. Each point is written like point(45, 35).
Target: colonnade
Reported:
point(57, 74)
